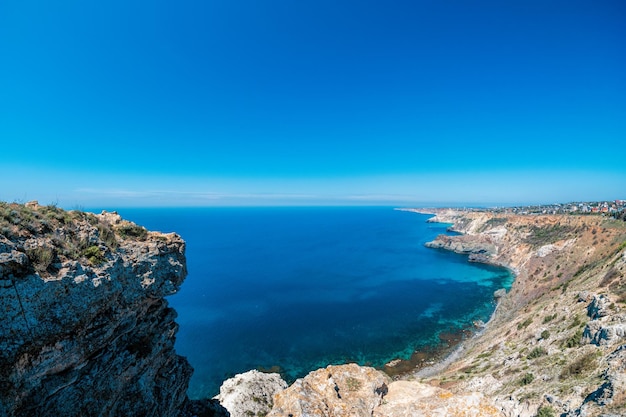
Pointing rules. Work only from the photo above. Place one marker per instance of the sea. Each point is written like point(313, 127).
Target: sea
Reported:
point(293, 289)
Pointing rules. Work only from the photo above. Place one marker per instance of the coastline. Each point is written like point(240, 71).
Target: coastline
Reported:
point(441, 358)
point(527, 357)
point(457, 353)
point(553, 343)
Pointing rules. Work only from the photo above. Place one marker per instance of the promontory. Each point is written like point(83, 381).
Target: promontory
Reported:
point(86, 330)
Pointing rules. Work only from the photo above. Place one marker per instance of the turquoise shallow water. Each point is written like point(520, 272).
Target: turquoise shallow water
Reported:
point(301, 288)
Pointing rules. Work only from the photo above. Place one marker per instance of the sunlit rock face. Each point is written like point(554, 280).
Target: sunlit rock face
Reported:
point(352, 390)
point(251, 393)
point(85, 328)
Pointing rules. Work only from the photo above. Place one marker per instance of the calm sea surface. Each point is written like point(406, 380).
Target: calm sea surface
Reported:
point(301, 288)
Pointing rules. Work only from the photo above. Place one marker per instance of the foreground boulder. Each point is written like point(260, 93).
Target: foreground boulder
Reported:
point(346, 390)
point(250, 394)
point(358, 391)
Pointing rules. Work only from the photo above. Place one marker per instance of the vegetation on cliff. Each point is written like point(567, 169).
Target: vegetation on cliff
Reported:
point(557, 342)
point(85, 328)
point(53, 235)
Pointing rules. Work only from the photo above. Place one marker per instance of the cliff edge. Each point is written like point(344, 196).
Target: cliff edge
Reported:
point(85, 328)
point(557, 343)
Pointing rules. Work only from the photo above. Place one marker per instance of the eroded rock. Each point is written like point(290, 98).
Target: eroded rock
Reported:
point(465, 244)
point(605, 332)
point(251, 393)
point(599, 307)
point(86, 335)
point(352, 390)
point(338, 391)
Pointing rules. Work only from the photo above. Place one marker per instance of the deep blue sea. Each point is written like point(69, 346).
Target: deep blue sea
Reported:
point(301, 288)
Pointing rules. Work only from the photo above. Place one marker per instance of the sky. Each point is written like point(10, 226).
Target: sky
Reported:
point(281, 102)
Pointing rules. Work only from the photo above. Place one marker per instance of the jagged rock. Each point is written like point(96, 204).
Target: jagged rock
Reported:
point(203, 408)
point(338, 391)
point(612, 391)
point(13, 264)
point(478, 258)
point(603, 332)
point(250, 393)
point(599, 307)
point(87, 337)
point(353, 391)
point(480, 247)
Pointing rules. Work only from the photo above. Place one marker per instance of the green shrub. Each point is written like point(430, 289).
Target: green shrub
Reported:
point(575, 322)
point(132, 231)
point(545, 334)
point(524, 324)
point(549, 318)
point(107, 236)
point(40, 258)
point(580, 366)
point(545, 411)
point(54, 213)
point(94, 255)
point(537, 352)
point(574, 340)
point(527, 379)
point(543, 235)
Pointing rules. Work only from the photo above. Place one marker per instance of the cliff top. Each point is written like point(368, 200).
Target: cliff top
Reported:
point(50, 236)
point(85, 327)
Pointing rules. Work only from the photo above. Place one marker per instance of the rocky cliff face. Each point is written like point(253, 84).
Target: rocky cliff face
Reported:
point(557, 344)
point(85, 328)
point(86, 331)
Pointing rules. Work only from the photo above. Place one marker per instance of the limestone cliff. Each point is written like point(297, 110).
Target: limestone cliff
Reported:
point(557, 344)
point(85, 328)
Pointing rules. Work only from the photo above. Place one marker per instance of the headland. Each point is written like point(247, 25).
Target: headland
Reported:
point(86, 329)
point(556, 344)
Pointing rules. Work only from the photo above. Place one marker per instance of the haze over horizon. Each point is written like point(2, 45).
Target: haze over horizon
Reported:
point(226, 103)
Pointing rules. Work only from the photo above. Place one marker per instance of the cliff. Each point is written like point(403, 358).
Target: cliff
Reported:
point(85, 328)
point(556, 344)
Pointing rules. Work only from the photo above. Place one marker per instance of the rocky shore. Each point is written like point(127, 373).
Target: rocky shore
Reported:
point(556, 345)
point(540, 353)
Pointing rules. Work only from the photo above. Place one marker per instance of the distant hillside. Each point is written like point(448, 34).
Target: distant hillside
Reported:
point(557, 345)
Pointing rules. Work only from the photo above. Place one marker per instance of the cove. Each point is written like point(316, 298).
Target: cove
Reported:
point(296, 289)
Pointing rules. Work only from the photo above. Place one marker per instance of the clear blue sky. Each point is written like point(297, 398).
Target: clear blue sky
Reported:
point(228, 102)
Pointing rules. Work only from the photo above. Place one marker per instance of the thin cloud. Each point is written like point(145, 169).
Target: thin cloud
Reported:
point(197, 195)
